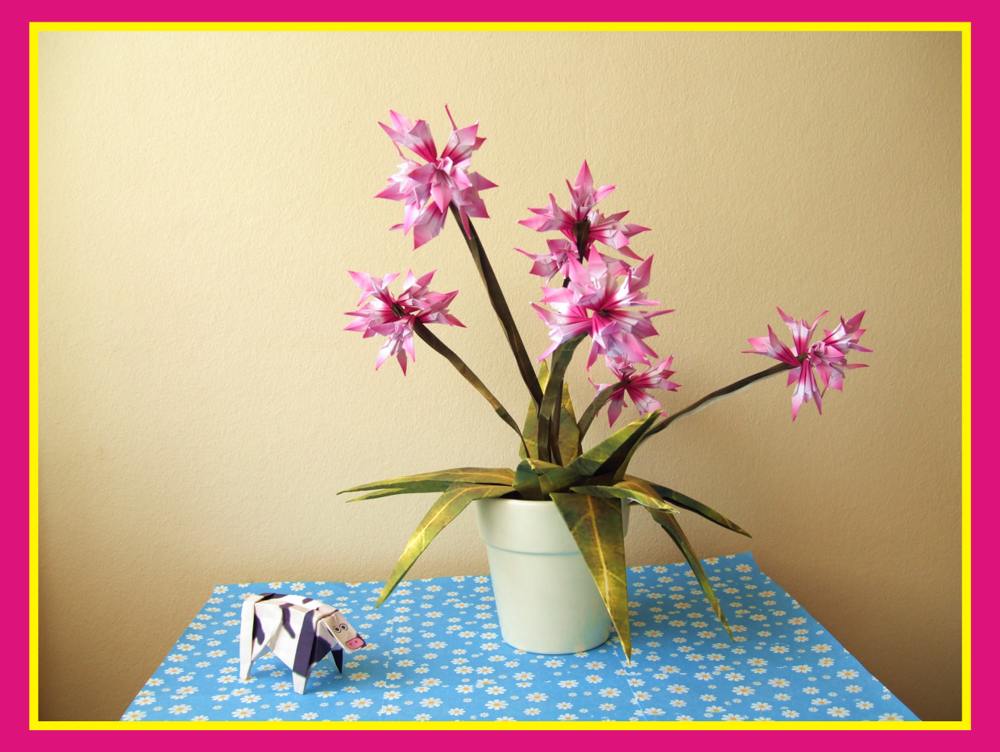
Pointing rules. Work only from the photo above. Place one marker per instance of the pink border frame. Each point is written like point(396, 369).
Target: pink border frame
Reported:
point(15, 308)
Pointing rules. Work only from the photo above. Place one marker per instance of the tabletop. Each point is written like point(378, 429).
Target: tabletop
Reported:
point(435, 653)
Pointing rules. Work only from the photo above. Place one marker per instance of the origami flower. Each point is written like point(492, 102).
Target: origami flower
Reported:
point(830, 354)
point(636, 386)
point(428, 188)
point(394, 317)
point(583, 225)
point(554, 262)
point(602, 300)
point(827, 357)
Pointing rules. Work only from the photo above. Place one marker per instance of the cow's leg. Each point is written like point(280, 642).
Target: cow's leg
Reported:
point(299, 682)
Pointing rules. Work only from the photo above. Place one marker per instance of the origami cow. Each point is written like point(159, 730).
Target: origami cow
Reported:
point(299, 631)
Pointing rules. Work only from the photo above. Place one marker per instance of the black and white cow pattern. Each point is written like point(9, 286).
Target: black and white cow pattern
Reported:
point(299, 631)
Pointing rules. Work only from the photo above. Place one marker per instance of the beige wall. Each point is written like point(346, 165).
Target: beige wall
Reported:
point(203, 194)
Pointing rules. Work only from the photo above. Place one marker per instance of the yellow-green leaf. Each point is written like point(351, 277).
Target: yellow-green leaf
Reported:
point(530, 430)
point(429, 486)
point(693, 505)
point(549, 412)
point(450, 504)
point(629, 490)
point(569, 432)
point(526, 481)
point(602, 459)
point(596, 526)
point(673, 528)
point(425, 482)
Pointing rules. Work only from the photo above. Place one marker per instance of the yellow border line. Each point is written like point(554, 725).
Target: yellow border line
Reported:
point(33, 373)
point(964, 28)
point(502, 725)
point(391, 26)
point(967, 375)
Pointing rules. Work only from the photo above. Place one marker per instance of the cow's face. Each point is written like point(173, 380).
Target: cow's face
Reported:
point(344, 632)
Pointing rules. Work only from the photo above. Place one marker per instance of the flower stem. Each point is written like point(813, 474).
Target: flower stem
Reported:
point(717, 394)
point(495, 294)
point(599, 401)
point(438, 346)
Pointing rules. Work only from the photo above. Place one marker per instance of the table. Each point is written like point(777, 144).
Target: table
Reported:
point(435, 653)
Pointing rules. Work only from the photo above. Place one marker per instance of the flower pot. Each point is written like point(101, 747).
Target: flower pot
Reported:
point(546, 600)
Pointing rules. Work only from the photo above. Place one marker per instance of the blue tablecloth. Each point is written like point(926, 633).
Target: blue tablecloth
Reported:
point(435, 653)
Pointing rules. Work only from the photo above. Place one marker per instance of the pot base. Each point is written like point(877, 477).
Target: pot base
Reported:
point(546, 599)
point(547, 603)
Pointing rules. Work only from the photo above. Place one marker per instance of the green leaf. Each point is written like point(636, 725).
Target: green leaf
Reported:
point(602, 459)
point(426, 482)
point(693, 505)
point(569, 432)
point(552, 399)
point(530, 431)
point(526, 480)
point(428, 486)
point(541, 466)
point(596, 525)
point(628, 490)
point(669, 523)
point(450, 504)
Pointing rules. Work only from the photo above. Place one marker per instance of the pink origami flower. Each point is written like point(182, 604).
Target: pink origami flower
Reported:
point(830, 354)
point(827, 357)
point(554, 262)
point(636, 387)
point(428, 188)
point(602, 300)
point(583, 225)
point(394, 317)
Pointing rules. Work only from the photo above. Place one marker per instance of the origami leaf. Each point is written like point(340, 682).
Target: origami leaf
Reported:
point(529, 449)
point(602, 459)
point(628, 490)
point(552, 400)
point(450, 504)
point(541, 466)
point(569, 433)
point(692, 505)
point(596, 526)
point(499, 303)
point(429, 486)
point(669, 523)
point(427, 482)
point(526, 481)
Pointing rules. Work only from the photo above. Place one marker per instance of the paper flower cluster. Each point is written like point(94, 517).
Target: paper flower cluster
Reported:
point(427, 188)
point(394, 316)
point(595, 292)
point(826, 358)
point(600, 297)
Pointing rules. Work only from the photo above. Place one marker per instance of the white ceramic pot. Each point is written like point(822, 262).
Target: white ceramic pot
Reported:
point(546, 600)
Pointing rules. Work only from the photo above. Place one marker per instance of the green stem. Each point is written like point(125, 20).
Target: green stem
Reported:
point(438, 346)
point(495, 294)
point(600, 400)
point(717, 394)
